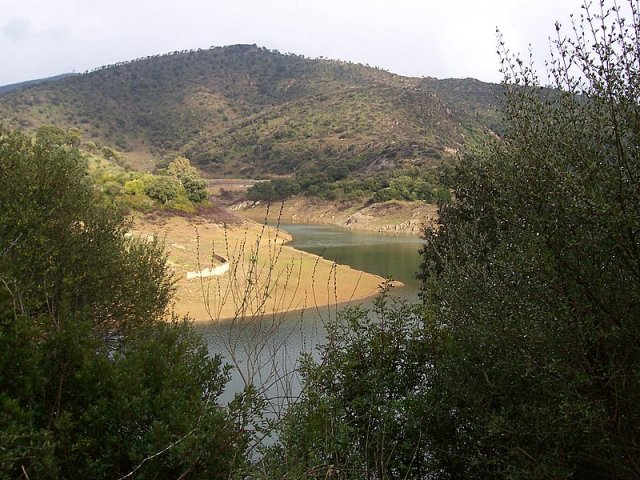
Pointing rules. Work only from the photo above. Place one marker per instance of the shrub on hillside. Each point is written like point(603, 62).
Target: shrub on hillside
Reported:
point(163, 188)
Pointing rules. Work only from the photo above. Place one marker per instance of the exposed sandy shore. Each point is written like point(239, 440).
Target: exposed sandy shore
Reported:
point(392, 217)
point(264, 275)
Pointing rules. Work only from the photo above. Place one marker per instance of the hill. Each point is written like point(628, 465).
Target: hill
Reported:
point(17, 86)
point(248, 111)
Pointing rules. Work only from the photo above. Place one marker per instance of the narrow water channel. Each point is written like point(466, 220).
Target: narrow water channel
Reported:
point(264, 349)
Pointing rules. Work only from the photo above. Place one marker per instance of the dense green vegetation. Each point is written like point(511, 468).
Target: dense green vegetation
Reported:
point(362, 410)
point(247, 111)
point(177, 188)
point(412, 183)
point(94, 383)
point(533, 275)
point(523, 361)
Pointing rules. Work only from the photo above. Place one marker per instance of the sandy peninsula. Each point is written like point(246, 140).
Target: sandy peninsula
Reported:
point(246, 270)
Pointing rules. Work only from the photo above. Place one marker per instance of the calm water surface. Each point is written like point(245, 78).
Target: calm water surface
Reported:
point(263, 350)
point(387, 255)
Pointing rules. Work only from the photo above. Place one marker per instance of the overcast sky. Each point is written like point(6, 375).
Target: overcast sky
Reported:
point(439, 38)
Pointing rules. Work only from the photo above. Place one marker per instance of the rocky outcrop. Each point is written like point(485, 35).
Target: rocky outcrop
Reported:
point(216, 271)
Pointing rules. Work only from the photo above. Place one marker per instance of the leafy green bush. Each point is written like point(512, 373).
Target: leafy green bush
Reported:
point(195, 186)
point(273, 190)
point(94, 383)
point(419, 186)
point(178, 187)
point(524, 361)
point(134, 187)
point(163, 188)
point(112, 188)
point(56, 135)
point(533, 274)
point(140, 203)
point(361, 409)
point(181, 203)
point(402, 184)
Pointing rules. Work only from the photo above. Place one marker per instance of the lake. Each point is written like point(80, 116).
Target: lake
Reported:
point(266, 351)
point(387, 255)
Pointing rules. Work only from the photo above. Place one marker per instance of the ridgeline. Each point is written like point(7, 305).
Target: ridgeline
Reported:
point(248, 111)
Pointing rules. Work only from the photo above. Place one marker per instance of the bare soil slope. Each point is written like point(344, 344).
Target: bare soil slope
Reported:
point(393, 216)
point(264, 276)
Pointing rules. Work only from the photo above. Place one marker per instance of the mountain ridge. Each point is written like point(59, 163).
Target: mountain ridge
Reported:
point(10, 87)
point(249, 111)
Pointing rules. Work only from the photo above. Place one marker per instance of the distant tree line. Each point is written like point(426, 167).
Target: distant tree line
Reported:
point(214, 47)
point(408, 184)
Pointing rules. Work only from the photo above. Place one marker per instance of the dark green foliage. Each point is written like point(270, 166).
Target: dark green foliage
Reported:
point(196, 188)
point(533, 277)
point(194, 185)
point(274, 190)
point(401, 184)
point(525, 361)
point(412, 184)
point(55, 135)
point(159, 388)
point(361, 410)
point(53, 232)
point(163, 188)
point(93, 382)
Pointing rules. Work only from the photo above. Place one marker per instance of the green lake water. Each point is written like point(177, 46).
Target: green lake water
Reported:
point(263, 350)
point(387, 255)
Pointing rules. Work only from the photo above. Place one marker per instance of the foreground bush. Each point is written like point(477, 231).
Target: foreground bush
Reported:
point(360, 412)
point(93, 382)
point(534, 279)
point(525, 361)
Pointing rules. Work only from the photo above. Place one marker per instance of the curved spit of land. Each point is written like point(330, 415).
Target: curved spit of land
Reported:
point(262, 275)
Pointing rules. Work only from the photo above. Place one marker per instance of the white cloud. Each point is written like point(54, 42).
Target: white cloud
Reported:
point(15, 29)
point(411, 37)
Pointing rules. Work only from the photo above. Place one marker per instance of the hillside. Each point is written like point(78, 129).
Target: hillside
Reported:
point(20, 85)
point(248, 111)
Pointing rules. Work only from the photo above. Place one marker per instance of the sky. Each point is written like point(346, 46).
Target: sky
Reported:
point(437, 38)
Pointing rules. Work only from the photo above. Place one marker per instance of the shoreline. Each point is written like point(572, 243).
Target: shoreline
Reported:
point(393, 217)
point(265, 276)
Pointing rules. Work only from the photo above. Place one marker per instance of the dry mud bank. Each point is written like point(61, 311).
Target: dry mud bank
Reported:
point(263, 275)
point(393, 216)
